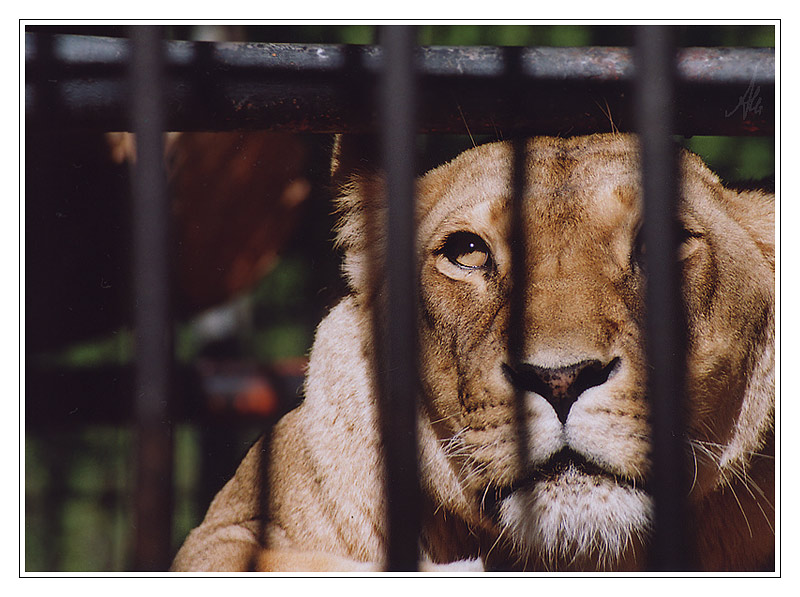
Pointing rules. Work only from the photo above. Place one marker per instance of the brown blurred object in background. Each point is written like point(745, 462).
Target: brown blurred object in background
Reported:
point(236, 200)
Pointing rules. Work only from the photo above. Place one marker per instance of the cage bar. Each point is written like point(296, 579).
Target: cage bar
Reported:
point(518, 241)
point(398, 394)
point(665, 327)
point(153, 328)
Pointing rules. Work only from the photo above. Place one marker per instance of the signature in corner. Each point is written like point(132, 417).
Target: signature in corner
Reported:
point(749, 101)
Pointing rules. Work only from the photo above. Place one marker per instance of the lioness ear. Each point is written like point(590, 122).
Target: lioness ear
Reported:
point(353, 155)
point(360, 205)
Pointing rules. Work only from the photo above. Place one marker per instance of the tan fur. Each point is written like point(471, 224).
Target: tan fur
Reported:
point(583, 300)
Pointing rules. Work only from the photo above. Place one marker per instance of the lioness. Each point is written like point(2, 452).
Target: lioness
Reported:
point(583, 503)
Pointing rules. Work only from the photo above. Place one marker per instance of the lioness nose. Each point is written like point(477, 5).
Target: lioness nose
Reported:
point(561, 386)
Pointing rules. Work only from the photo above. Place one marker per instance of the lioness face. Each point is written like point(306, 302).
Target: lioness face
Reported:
point(577, 496)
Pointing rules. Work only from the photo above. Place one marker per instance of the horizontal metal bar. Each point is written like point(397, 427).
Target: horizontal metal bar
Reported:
point(79, 81)
point(695, 65)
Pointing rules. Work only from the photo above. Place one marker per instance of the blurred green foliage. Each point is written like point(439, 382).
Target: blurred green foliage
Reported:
point(78, 497)
point(515, 34)
point(78, 482)
point(282, 303)
point(736, 159)
point(76, 500)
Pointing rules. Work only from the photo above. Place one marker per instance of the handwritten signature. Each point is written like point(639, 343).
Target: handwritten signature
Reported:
point(749, 101)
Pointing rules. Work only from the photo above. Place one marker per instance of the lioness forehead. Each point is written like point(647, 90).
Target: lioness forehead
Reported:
point(564, 177)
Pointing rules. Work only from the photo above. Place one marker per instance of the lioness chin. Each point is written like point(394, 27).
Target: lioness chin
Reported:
point(580, 501)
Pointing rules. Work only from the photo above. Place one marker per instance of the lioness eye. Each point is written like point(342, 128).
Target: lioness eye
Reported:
point(685, 235)
point(637, 255)
point(466, 249)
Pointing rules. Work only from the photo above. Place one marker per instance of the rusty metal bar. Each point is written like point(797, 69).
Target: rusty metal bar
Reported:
point(518, 241)
point(399, 371)
point(518, 237)
point(694, 65)
point(151, 270)
point(666, 342)
point(227, 86)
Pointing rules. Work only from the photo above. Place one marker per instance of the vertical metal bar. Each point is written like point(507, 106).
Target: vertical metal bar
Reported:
point(262, 491)
point(519, 278)
point(399, 347)
point(151, 268)
point(517, 234)
point(666, 342)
